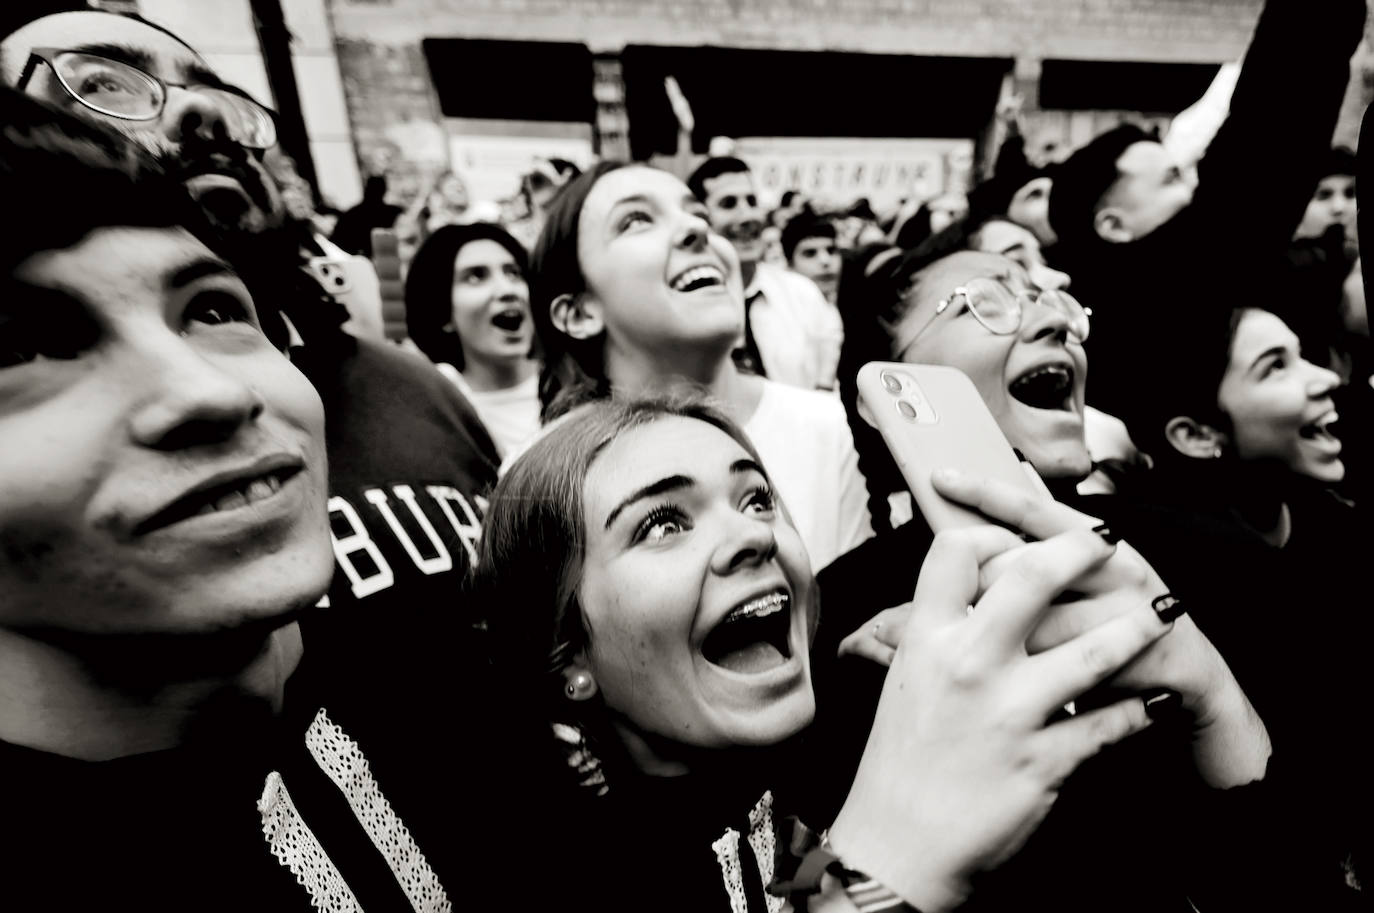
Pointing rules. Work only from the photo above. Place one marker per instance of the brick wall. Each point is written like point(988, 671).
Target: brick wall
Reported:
point(390, 97)
point(1163, 30)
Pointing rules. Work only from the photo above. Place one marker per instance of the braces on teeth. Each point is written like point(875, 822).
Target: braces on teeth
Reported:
point(759, 608)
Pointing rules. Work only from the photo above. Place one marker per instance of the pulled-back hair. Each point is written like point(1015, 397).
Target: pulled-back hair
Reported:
point(429, 286)
point(571, 366)
point(530, 559)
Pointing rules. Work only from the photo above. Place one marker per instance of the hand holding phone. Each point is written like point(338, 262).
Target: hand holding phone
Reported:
point(932, 417)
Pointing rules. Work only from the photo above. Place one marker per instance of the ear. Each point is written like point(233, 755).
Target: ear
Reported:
point(577, 316)
point(578, 682)
point(1194, 439)
point(1111, 226)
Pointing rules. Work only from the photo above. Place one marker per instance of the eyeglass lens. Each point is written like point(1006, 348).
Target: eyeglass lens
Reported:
point(109, 86)
point(1000, 308)
point(125, 91)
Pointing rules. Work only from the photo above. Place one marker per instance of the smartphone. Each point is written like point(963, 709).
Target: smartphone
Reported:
point(931, 417)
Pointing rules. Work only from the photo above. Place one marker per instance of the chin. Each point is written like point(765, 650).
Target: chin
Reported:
point(1070, 462)
point(1329, 473)
point(778, 723)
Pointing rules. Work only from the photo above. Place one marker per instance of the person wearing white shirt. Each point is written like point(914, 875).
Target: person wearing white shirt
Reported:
point(791, 333)
point(467, 308)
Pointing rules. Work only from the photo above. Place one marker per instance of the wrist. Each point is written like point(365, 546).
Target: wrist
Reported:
point(901, 866)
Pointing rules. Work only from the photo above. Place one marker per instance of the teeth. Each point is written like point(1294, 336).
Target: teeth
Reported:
point(231, 500)
point(1059, 370)
point(256, 490)
point(698, 273)
point(761, 607)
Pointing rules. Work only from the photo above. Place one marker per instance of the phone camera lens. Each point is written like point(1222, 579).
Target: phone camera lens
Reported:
point(908, 411)
point(891, 382)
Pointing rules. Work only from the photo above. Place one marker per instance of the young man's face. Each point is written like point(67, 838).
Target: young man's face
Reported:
point(733, 207)
point(818, 259)
point(1151, 189)
point(163, 467)
point(228, 180)
point(1332, 203)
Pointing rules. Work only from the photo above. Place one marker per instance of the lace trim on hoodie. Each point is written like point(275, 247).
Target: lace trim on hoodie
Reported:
point(296, 847)
point(341, 758)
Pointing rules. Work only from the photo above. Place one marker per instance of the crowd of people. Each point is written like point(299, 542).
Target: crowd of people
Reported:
point(603, 593)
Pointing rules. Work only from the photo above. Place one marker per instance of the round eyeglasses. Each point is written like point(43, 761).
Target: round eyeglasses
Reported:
point(999, 309)
point(121, 90)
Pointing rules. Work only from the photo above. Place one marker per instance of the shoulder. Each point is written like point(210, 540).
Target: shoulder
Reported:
point(818, 411)
point(405, 392)
point(779, 280)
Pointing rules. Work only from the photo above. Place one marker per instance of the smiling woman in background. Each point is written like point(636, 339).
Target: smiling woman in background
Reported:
point(633, 292)
point(468, 309)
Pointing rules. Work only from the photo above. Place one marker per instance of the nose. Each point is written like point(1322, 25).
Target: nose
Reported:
point(192, 116)
point(184, 399)
point(749, 542)
point(1049, 278)
point(1322, 381)
point(509, 287)
point(693, 233)
point(1042, 321)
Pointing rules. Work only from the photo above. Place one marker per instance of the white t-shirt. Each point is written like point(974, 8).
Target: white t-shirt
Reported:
point(511, 416)
point(797, 331)
point(808, 451)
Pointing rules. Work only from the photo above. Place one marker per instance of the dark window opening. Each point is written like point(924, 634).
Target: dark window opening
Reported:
point(1096, 85)
point(512, 80)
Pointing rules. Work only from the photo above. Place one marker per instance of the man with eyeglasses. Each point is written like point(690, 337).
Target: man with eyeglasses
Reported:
point(791, 333)
point(409, 461)
point(148, 84)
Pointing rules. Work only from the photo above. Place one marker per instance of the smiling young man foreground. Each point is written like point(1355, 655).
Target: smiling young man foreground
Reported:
point(170, 727)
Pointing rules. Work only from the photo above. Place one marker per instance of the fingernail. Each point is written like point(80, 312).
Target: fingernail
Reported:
point(952, 476)
point(1106, 533)
point(1162, 704)
point(1168, 607)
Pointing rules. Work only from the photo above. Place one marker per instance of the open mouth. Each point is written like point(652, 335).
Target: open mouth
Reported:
point(698, 277)
point(509, 320)
point(1322, 430)
point(753, 638)
point(230, 496)
point(1046, 387)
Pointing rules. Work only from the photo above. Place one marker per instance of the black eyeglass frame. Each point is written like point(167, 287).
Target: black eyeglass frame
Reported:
point(48, 55)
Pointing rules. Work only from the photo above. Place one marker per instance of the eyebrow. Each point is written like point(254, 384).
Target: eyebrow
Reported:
point(194, 71)
point(662, 486)
point(124, 53)
point(197, 269)
point(677, 483)
point(1268, 353)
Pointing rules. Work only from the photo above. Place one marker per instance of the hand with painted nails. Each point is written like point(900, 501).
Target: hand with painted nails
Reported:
point(1230, 743)
point(960, 766)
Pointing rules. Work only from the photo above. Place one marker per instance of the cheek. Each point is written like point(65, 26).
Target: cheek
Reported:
point(289, 395)
point(467, 305)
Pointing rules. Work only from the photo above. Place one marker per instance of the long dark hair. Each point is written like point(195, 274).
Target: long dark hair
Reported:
point(572, 367)
point(429, 286)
